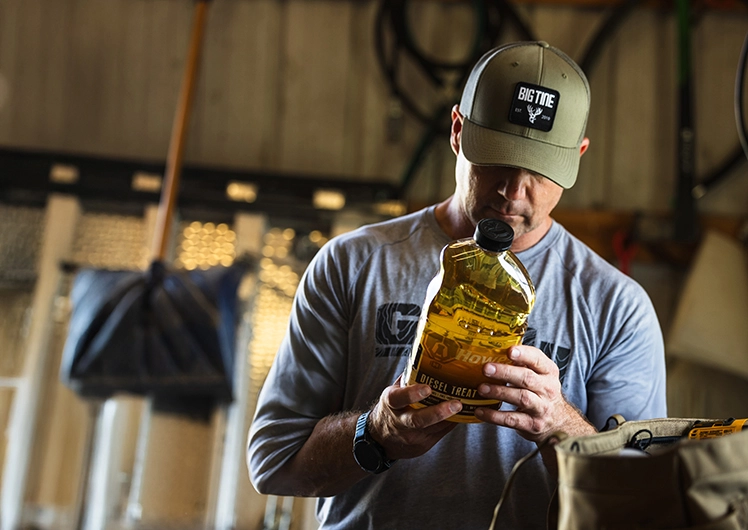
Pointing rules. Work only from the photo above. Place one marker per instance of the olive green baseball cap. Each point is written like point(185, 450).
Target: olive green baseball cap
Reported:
point(526, 105)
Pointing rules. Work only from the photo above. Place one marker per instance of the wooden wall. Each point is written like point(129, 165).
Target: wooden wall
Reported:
point(294, 85)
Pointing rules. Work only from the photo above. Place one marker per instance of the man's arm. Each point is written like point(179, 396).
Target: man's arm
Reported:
point(324, 465)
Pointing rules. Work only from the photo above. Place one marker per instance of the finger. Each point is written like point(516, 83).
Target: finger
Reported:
point(532, 358)
point(512, 419)
point(408, 443)
point(398, 397)
point(429, 417)
point(522, 398)
point(518, 376)
point(529, 366)
point(427, 423)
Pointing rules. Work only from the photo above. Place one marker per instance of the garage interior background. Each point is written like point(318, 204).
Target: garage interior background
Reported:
point(293, 100)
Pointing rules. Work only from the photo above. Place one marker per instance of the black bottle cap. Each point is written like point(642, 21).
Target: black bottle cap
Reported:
point(494, 235)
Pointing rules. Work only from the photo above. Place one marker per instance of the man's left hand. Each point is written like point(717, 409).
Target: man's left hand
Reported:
point(531, 383)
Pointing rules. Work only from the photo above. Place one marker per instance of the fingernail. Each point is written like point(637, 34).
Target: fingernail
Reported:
point(424, 392)
point(479, 413)
point(514, 353)
point(489, 369)
point(455, 407)
point(484, 389)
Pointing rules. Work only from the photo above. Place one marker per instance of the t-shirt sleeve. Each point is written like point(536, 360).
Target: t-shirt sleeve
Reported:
point(629, 376)
point(306, 380)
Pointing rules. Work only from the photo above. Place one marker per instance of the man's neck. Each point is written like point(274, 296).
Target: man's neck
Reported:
point(452, 221)
point(533, 237)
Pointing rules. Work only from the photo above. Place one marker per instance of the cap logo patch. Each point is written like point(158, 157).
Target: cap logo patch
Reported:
point(534, 106)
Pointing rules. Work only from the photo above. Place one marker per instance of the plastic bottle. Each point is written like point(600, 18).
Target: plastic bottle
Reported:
point(476, 308)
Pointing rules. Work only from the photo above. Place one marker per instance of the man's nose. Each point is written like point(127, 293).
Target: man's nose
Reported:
point(512, 183)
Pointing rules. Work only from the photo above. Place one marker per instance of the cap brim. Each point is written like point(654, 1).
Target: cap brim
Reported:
point(483, 146)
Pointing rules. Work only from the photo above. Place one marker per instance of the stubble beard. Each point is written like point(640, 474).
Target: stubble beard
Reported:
point(521, 222)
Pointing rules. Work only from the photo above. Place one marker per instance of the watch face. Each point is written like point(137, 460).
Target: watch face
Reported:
point(367, 456)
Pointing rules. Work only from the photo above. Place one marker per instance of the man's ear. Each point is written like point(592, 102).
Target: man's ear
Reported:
point(456, 131)
point(584, 146)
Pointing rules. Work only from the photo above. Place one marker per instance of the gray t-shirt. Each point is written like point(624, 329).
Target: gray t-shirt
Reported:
point(349, 336)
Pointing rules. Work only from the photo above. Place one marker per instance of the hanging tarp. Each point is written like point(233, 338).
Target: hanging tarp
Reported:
point(163, 332)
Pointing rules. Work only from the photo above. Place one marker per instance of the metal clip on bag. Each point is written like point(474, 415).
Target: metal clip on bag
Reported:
point(607, 481)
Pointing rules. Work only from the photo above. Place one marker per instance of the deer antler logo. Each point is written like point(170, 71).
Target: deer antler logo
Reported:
point(534, 112)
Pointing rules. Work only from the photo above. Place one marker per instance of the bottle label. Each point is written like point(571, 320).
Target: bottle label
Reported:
point(447, 355)
point(446, 390)
point(453, 371)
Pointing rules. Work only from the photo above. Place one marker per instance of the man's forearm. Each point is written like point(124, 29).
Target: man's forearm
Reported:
point(324, 466)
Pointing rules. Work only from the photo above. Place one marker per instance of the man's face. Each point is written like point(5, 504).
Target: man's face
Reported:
point(520, 198)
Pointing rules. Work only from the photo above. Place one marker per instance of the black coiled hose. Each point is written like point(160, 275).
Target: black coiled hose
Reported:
point(491, 17)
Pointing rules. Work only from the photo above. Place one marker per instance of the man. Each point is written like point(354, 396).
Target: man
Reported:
point(593, 347)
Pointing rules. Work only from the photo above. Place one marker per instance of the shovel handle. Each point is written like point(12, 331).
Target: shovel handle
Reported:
point(178, 135)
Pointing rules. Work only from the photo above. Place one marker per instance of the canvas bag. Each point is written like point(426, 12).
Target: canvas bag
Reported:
point(696, 484)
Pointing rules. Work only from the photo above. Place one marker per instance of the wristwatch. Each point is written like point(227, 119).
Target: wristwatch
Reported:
point(368, 453)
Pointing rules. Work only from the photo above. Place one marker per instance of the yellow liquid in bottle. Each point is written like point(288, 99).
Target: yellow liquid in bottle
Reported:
point(478, 311)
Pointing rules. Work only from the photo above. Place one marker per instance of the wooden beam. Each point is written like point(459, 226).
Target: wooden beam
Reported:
point(651, 232)
point(722, 5)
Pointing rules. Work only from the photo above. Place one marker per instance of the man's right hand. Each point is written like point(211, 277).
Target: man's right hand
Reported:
point(403, 431)
point(319, 468)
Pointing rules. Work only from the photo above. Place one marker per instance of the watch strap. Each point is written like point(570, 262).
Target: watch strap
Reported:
point(364, 437)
